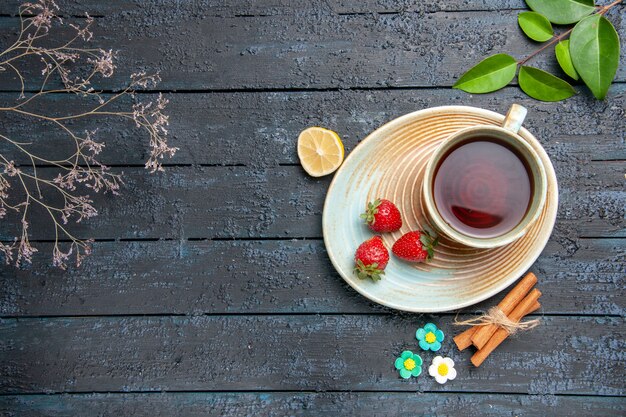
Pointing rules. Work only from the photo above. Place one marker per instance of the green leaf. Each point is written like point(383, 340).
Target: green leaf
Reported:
point(561, 51)
point(594, 47)
point(562, 12)
point(543, 86)
point(535, 26)
point(488, 75)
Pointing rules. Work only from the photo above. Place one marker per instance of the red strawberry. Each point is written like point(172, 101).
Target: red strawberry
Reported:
point(382, 216)
point(415, 246)
point(371, 259)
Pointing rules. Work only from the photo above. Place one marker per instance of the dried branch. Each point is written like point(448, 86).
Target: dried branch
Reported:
point(78, 173)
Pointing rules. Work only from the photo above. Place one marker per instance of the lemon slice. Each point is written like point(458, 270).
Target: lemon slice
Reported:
point(320, 151)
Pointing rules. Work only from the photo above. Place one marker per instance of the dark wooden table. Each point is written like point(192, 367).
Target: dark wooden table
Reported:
point(210, 292)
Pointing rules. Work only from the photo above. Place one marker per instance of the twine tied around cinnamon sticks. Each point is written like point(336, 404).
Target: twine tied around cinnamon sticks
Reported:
point(497, 317)
point(491, 329)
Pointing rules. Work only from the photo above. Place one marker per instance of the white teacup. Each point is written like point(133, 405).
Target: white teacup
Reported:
point(506, 136)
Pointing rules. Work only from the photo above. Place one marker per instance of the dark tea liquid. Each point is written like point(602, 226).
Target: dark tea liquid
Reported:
point(482, 188)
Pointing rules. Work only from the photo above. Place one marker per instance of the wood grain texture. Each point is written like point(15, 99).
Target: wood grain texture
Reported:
point(305, 50)
point(235, 202)
point(267, 7)
point(298, 404)
point(296, 353)
point(244, 78)
point(243, 277)
point(262, 128)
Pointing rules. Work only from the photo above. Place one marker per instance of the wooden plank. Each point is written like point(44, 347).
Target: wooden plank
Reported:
point(306, 404)
point(249, 128)
point(200, 202)
point(295, 353)
point(303, 50)
point(264, 7)
point(403, 6)
point(232, 202)
point(236, 277)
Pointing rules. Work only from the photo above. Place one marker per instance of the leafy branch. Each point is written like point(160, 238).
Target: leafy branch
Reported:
point(591, 53)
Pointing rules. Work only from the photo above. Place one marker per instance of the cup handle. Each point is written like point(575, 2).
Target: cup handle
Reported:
point(514, 118)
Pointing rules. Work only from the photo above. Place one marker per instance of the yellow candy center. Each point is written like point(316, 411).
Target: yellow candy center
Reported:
point(409, 364)
point(430, 337)
point(443, 369)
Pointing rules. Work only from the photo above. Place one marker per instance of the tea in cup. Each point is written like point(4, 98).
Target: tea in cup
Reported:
point(485, 185)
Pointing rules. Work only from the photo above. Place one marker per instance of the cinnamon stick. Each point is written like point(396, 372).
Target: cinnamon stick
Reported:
point(532, 309)
point(464, 340)
point(501, 334)
point(508, 303)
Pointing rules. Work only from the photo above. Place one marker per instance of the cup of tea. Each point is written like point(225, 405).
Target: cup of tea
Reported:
point(485, 186)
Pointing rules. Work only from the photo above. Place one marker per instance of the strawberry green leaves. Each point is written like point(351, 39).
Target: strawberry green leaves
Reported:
point(561, 50)
point(562, 12)
point(543, 86)
point(535, 26)
point(594, 47)
point(489, 75)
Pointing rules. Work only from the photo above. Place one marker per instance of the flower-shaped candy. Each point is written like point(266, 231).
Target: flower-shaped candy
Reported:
point(430, 337)
point(442, 369)
point(409, 364)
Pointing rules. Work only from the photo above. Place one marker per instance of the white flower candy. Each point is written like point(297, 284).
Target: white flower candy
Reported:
point(442, 369)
